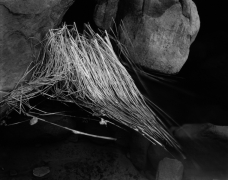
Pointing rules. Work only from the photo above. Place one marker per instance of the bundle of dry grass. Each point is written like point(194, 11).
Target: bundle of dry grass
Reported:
point(84, 69)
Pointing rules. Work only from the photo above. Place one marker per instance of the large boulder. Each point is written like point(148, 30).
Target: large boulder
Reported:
point(158, 33)
point(23, 25)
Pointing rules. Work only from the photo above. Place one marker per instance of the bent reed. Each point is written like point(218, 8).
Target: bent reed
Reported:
point(84, 69)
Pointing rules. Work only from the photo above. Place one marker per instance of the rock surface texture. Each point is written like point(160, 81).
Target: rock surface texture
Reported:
point(67, 161)
point(206, 146)
point(105, 13)
point(158, 33)
point(170, 169)
point(23, 25)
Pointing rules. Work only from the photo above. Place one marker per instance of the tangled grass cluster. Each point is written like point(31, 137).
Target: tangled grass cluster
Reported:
point(84, 69)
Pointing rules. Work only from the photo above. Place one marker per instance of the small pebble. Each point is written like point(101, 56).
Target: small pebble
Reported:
point(41, 171)
point(170, 169)
point(13, 172)
point(128, 155)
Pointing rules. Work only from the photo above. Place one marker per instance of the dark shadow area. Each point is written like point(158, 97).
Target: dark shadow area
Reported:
point(81, 12)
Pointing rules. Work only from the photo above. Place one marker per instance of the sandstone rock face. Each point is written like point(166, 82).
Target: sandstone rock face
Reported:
point(105, 13)
point(158, 33)
point(23, 25)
